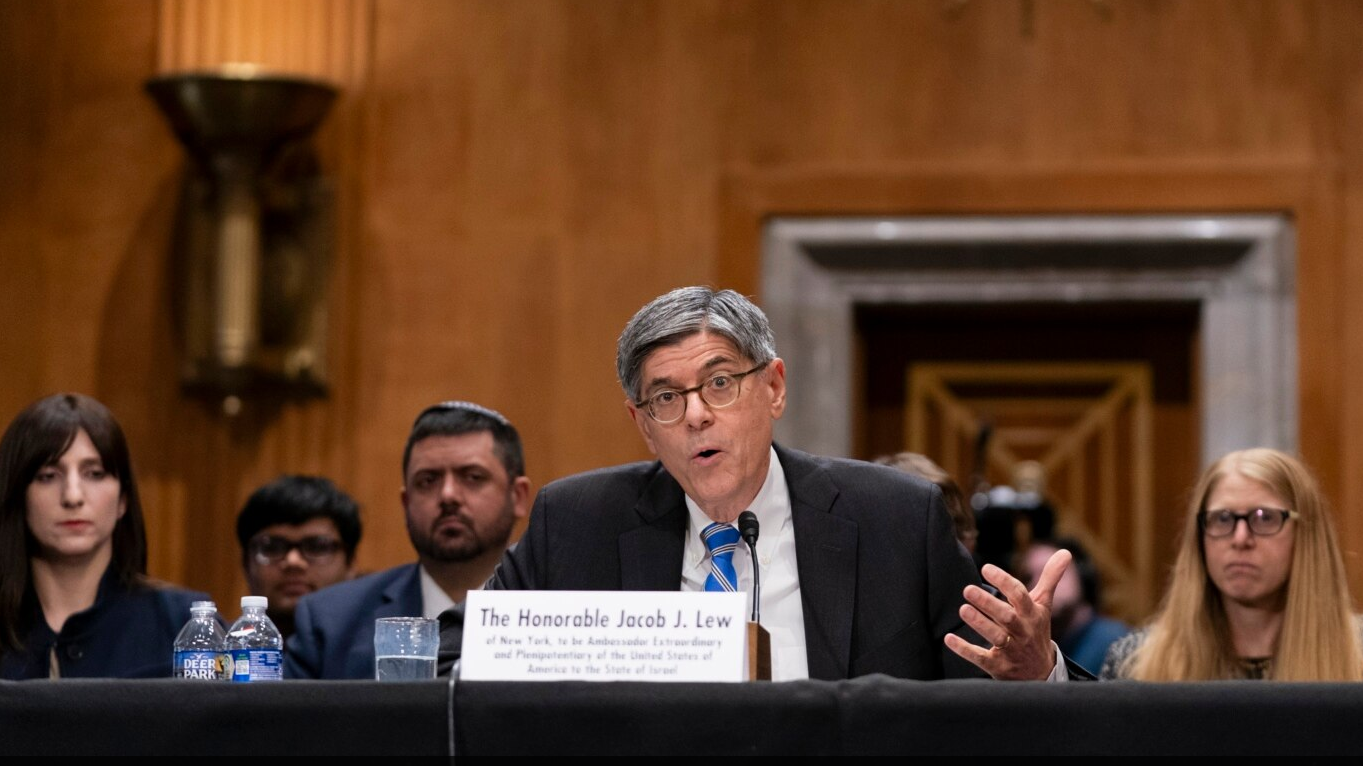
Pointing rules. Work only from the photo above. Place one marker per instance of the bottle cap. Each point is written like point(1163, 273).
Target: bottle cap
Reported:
point(202, 606)
point(259, 601)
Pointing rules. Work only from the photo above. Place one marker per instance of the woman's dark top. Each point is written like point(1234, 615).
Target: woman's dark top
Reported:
point(128, 633)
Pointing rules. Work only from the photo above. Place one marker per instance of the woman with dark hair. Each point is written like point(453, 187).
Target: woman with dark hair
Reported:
point(1258, 590)
point(75, 600)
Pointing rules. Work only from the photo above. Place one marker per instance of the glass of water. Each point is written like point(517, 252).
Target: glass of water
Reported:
point(405, 648)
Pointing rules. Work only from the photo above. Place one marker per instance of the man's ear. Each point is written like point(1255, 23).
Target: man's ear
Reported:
point(776, 384)
point(642, 421)
point(520, 496)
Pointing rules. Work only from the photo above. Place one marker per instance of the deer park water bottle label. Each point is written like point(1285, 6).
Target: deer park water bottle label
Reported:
point(203, 665)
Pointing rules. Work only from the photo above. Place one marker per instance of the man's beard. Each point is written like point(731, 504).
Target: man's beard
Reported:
point(472, 543)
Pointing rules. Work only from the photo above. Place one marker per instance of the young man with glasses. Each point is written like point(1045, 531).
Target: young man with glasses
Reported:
point(298, 535)
point(861, 572)
point(463, 489)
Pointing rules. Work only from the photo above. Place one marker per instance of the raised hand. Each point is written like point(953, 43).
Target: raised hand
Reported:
point(1019, 630)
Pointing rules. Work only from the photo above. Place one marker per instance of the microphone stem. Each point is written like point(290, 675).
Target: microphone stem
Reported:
point(756, 583)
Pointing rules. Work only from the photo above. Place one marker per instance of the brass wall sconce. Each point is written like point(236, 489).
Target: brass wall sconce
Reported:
point(253, 233)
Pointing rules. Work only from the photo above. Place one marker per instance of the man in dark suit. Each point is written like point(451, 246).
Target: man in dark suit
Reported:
point(859, 567)
point(464, 486)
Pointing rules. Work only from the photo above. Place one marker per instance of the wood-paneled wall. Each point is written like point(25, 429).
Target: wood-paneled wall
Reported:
point(516, 178)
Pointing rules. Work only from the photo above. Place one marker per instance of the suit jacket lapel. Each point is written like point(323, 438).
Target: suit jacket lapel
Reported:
point(826, 558)
point(402, 596)
point(651, 554)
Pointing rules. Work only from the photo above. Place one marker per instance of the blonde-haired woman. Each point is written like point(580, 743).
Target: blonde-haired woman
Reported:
point(1258, 589)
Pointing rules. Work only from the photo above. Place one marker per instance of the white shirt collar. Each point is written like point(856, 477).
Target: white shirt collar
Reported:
point(434, 599)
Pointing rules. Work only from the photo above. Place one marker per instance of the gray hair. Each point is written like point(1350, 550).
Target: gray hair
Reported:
point(670, 318)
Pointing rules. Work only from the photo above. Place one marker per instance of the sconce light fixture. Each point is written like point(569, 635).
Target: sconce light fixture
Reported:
point(253, 232)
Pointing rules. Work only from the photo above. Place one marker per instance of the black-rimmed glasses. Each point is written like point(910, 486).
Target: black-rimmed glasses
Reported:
point(1261, 521)
point(718, 391)
point(272, 550)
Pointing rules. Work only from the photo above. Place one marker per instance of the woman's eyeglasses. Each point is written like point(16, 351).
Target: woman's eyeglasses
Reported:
point(1261, 521)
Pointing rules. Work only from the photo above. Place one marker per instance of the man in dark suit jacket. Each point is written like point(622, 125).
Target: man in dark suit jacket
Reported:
point(878, 577)
point(464, 486)
point(334, 635)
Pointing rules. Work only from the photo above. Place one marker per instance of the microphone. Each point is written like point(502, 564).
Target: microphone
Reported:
point(747, 527)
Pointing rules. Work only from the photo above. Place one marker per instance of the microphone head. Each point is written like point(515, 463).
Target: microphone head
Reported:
point(747, 526)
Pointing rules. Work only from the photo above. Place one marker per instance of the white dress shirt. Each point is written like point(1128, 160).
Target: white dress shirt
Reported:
point(434, 599)
point(782, 613)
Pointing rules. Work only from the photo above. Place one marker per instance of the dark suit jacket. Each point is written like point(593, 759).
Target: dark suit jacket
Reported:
point(334, 627)
point(881, 572)
point(128, 633)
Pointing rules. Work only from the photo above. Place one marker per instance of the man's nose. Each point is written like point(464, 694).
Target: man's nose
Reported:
point(698, 411)
point(449, 488)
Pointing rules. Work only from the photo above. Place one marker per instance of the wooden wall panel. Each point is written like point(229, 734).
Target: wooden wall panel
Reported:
point(1339, 124)
point(516, 178)
point(23, 100)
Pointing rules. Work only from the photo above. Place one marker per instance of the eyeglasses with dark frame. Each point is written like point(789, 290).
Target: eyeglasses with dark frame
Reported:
point(1263, 522)
point(718, 391)
point(272, 550)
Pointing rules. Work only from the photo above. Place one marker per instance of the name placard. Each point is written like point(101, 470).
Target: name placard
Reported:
point(603, 636)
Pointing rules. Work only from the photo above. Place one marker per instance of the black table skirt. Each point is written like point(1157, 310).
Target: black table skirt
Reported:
point(868, 716)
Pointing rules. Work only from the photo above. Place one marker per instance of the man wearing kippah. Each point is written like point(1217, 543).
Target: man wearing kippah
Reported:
point(463, 488)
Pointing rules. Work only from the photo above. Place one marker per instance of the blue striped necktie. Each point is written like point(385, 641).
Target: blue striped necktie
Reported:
point(721, 539)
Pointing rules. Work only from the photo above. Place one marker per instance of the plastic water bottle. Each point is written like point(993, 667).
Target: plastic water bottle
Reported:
point(256, 648)
point(201, 646)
